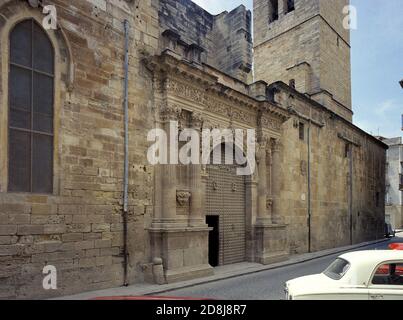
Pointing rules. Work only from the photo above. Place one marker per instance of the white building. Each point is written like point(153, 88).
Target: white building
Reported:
point(394, 182)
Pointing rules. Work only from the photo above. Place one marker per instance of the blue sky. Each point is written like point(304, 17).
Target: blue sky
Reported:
point(377, 62)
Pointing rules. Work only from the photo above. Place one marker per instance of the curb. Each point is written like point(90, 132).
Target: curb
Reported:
point(264, 268)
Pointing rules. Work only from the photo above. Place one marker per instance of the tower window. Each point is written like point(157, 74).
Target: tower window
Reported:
point(292, 83)
point(273, 10)
point(289, 5)
point(301, 131)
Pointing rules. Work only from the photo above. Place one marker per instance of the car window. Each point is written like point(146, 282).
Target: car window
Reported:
point(389, 274)
point(337, 269)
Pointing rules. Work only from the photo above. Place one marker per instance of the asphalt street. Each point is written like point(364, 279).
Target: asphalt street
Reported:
point(266, 285)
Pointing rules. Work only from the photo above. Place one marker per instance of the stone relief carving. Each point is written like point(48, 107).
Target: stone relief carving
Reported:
point(212, 104)
point(269, 203)
point(197, 120)
point(186, 91)
point(213, 124)
point(183, 119)
point(239, 115)
point(275, 145)
point(216, 106)
point(170, 112)
point(183, 197)
point(265, 122)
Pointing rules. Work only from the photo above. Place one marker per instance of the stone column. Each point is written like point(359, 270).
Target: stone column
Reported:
point(276, 180)
point(196, 214)
point(269, 175)
point(158, 196)
point(168, 193)
point(196, 201)
point(262, 212)
point(168, 172)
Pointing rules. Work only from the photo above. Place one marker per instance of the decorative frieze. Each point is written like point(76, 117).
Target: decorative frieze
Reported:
point(216, 106)
point(211, 104)
point(242, 116)
point(269, 123)
point(185, 91)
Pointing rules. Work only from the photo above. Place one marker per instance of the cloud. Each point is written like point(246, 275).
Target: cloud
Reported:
point(384, 119)
point(386, 107)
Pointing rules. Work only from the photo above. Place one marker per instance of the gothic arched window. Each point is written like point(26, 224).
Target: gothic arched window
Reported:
point(31, 104)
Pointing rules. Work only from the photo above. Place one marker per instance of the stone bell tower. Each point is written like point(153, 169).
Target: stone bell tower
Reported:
point(304, 44)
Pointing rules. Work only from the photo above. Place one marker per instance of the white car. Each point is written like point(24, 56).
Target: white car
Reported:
point(361, 275)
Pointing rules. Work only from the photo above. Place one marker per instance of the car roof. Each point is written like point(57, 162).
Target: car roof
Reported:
point(373, 256)
point(363, 263)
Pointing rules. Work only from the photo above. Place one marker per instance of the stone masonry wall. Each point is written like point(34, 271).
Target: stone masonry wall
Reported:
point(78, 229)
point(225, 38)
point(330, 226)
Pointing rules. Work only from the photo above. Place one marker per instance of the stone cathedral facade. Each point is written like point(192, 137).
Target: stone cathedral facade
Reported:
point(319, 182)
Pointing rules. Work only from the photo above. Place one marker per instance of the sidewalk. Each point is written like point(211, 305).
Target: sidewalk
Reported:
point(221, 273)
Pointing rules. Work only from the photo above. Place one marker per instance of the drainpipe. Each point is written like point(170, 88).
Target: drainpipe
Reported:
point(126, 154)
point(350, 191)
point(309, 184)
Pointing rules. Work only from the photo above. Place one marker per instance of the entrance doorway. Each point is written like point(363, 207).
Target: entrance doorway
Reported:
point(213, 240)
point(226, 196)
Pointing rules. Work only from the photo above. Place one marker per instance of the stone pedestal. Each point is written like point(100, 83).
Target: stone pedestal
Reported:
point(184, 252)
point(270, 243)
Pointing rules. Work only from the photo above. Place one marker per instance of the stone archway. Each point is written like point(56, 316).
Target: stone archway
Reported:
point(226, 200)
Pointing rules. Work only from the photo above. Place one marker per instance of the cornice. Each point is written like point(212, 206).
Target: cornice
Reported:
point(199, 86)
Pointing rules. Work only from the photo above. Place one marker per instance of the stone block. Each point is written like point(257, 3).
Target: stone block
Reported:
point(67, 237)
point(30, 230)
point(6, 230)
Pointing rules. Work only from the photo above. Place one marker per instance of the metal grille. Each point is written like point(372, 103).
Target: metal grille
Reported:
point(226, 198)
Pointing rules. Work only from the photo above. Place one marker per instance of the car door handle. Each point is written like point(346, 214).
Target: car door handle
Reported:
point(376, 297)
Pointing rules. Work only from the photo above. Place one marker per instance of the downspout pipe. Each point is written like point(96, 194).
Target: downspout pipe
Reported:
point(309, 184)
point(126, 153)
point(350, 191)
